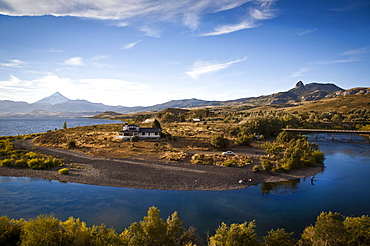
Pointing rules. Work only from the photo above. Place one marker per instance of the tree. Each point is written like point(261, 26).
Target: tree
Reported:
point(235, 235)
point(153, 230)
point(10, 231)
point(75, 232)
point(219, 141)
point(279, 238)
point(44, 228)
point(330, 230)
point(244, 139)
point(286, 136)
point(358, 229)
point(272, 148)
point(156, 124)
point(64, 125)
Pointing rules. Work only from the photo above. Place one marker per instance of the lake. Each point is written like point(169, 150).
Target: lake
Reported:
point(14, 127)
point(293, 205)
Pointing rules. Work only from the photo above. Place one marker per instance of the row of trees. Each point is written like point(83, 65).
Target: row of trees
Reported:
point(330, 229)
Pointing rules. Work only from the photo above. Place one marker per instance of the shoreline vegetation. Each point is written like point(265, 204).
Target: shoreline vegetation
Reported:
point(96, 157)
point(330, 228)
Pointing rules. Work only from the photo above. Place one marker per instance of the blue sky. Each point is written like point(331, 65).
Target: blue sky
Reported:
point(143, 52)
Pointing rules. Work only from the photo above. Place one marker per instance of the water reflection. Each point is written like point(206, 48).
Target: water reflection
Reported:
point(283, 187)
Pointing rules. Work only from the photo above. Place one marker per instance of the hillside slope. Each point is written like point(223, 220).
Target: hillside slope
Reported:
point(342, 104)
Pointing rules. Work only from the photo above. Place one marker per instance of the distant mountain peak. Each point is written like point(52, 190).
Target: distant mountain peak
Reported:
point(299, 84)
point(54, 99)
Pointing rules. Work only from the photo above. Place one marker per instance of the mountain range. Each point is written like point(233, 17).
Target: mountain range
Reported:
point(57, 105)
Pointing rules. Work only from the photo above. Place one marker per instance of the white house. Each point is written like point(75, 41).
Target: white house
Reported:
point(130, 131)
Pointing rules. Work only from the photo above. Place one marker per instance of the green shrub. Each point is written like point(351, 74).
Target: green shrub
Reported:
point(229, 162)
point(244, 139)
point(201, 159)
point(71, 145)
point(6, 163)
point(64, 171)
point(35, 163)
point(134, 139)
point(267, 165)
point(219, 141)
point(319, 156)
point(21, 163)
point(256, 168)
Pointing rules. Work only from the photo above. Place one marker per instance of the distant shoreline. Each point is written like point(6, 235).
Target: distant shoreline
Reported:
point(143, 174)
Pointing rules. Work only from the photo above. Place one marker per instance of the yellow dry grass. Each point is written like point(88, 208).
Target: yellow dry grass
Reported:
point(101, 140)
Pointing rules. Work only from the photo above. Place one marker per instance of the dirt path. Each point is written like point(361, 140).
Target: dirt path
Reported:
point(147, 174)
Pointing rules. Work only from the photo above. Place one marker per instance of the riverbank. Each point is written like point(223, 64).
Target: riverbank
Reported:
point(145, 174)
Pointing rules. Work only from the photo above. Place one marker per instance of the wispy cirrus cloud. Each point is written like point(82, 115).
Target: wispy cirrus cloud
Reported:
point(300, 72)
point(12, 64)
point(230, 28)
point(189, 12)
point(305, 32)
point(351, 7)
point(347, 56)
point(74, 61)
point(263, 10)
point(326, 62)
point(151, 32)
point(130, 45)
point(199, 68)
point(356, 52)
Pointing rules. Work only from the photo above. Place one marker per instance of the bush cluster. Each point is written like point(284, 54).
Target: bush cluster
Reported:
point(291, 152)
point(174, 156)
point(329, 229)
point(220, 160)
point(63, 171)
point(9, 156)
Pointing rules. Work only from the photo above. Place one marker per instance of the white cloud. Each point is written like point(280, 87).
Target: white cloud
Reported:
point(351, 7)
point(231, 5)
point(151, 32)
point(326, 62)
point(101, 90)
point(263, 11)
point(55, 51)
point(230, 28)
point(356, 52)
point(130, 45)
point(300, 72)
point(74, 61)
point(200, 68)
point(308, 31)
point(188, 12)
point(348, 56)
point(12, 64)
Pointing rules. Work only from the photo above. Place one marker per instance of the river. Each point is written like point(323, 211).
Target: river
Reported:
point(341, 187)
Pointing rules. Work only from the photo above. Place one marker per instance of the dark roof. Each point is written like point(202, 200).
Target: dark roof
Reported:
point(149, 130)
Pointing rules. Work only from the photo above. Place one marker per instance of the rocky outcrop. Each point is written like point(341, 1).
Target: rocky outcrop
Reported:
point(354, 91)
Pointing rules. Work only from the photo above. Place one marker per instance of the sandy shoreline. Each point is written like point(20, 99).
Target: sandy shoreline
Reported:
point(143, 174)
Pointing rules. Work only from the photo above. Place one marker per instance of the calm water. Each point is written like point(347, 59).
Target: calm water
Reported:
point(342, 187)
point(14, 127)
